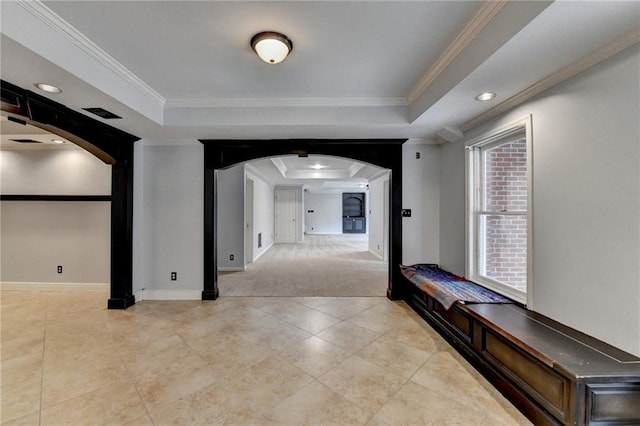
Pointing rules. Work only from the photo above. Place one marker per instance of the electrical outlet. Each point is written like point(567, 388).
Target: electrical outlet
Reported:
point(174, 276)
point(231, 257)
point(59, 269)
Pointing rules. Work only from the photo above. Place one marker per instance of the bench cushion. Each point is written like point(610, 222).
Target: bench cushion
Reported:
point(448, 288)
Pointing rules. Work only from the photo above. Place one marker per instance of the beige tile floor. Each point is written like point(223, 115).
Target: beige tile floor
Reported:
point(66, 360)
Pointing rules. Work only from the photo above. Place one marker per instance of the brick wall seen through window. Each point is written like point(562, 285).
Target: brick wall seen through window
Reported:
point(505, 235)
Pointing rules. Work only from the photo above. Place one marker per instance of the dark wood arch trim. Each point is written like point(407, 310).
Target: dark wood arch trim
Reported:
point(221, 154)
point(109, 144)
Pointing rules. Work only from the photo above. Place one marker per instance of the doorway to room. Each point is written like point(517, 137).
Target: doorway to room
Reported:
point(298, 214)
point(220, 155)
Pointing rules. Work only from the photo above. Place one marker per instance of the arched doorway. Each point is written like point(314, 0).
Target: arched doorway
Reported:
point(221, 154)
point(110, 145)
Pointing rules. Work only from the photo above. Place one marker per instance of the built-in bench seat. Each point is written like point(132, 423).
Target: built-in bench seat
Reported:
point(552, 373)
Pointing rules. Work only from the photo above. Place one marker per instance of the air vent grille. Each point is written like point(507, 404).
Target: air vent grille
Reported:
point(25, 141)
point(101, 112)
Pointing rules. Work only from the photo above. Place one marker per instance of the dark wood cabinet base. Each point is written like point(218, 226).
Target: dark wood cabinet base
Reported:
point(553, 374)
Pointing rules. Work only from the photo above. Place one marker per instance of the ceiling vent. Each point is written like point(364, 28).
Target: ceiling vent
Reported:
point(25, 141)
point(101, 112)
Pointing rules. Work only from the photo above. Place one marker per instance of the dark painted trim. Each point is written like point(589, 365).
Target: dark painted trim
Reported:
point(111, 145)
point(385, 153)
point(210, 289)
point(105, 142)
point(65, 198)
point(122, 234)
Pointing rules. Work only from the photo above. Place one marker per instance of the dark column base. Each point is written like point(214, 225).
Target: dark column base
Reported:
point(210, 294)
point(396, 291)
point(394, 294)
point(121, 303)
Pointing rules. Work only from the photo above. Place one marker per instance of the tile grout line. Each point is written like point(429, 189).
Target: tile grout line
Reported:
point(44, 340)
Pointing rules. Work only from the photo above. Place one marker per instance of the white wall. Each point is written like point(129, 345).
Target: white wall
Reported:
point(452, 208)
point(586, 200)
point(421, 194)
point(327, 213)
point(231, 218)
point(37, 236)
point(172, 221)
point(53, 172)
point(138, 257)
point(263, 214)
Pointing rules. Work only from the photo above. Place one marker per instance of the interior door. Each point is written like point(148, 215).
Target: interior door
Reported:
point(285, 215)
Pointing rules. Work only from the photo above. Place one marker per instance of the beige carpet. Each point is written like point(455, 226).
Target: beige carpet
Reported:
point(324, 265)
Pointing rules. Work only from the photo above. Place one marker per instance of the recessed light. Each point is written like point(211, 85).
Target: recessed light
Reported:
point(57, 141)
point(486, 96)
point(49, 88)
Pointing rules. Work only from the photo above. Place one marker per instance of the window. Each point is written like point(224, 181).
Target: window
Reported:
point(498, 210)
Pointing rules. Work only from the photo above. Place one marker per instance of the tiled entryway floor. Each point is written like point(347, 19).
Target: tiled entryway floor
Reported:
point(67, 360)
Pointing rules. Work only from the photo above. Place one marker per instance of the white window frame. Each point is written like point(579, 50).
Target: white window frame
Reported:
point(473, 205)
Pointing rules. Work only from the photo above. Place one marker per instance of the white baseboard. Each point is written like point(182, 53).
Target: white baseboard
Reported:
point(263, 252)
point(231, 268)
point(72, 287)
point(139, 295)
point(376, 254)
point(171, 295)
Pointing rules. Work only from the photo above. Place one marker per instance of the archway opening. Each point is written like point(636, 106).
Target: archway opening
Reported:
point(302, 236)
point(222, 154)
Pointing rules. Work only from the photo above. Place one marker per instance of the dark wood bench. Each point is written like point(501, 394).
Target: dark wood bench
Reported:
point(552, 373)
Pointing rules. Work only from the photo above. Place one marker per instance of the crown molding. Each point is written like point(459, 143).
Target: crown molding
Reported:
point(590, 60)
point(279, 164)
point(462, 40)
point(285, 102)
point(62, 27)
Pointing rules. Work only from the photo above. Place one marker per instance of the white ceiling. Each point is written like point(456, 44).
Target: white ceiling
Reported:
point(176, 71)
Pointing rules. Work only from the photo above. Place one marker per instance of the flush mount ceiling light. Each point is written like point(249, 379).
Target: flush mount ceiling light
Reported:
point(271, 47)
point(48, 88)
point(486, 96)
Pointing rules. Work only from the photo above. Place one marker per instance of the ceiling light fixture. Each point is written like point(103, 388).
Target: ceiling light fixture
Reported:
point(486, 96)
point(271, 47)
point(49, 88)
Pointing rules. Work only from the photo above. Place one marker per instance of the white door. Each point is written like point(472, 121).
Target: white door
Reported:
point(286, 206)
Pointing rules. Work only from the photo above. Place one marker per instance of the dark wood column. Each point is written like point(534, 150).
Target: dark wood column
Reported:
point(122, 232)
point(394, 290)
point(210, 290)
